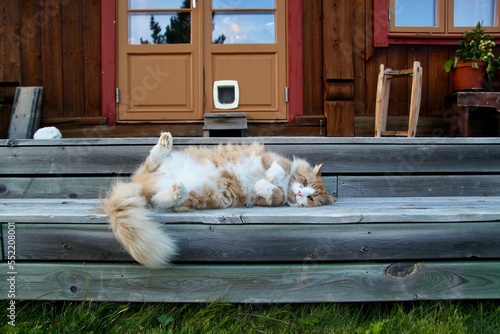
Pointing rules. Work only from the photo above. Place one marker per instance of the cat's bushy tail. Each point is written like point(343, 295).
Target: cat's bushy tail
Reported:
point(134, 227)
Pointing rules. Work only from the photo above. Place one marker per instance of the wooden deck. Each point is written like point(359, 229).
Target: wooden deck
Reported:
point(416, 219)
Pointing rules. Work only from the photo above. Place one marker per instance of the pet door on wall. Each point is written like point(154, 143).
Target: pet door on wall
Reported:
point(226, 94)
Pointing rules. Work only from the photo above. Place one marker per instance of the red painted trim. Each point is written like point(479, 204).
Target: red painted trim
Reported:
point(380, 23)
point(108, 60)
point(295, 66)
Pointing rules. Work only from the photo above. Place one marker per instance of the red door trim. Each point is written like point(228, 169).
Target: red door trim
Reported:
point(108, 60)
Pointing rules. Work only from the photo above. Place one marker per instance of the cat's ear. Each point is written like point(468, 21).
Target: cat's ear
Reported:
point(317, 170)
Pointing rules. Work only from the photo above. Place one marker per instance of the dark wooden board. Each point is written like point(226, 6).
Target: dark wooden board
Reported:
point(338, 157)
point(78, 186)
point(307, 243)
point(429, 185)
point(293, 283)
point(355, 210)
point(56, 187)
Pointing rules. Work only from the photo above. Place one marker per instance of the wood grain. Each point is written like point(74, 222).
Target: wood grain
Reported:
point(111, 157)
point(368, 282)
point(300, 243)
point(354, 210)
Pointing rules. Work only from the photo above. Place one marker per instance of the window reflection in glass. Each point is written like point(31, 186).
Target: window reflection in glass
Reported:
point(413, 13)
point(159, 28)
point(158, 4)
point(242, 4)
point(243, 28)
point(468, 13)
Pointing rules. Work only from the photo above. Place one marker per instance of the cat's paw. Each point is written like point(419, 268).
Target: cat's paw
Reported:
point(168, 198)
point(264, 188)
point(160, 150)
point(165, 140)
point(275, 173)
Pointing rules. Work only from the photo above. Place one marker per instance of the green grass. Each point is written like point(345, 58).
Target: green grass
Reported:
point(88, 317)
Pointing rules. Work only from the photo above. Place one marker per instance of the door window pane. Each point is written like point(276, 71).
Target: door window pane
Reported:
point(159, 28)
point(159, 4)
point(468, 13)
point(415, 13)
point(243, 28)
point(242, 4)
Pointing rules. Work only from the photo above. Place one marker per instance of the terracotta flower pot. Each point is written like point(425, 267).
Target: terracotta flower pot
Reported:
point(465, 77)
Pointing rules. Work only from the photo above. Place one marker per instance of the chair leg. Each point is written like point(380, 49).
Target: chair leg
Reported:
point(381, 103)
point(416, 94)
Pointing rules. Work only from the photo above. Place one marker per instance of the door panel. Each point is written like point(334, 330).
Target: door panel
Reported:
point(159, 75)
point(246, 41)
point(160, 84)
point(257, 79)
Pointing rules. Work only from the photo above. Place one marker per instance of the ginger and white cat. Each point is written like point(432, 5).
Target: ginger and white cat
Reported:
point(204, 178)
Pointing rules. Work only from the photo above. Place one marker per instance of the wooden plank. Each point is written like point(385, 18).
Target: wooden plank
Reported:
point(31, 60)
point(260, 283)
point(397, 58)
point(10, 57)
point(337, 40)
point(72, 66)
point(91, 42)
point(312, 57)
point(52, 58)
point(340, 118)
point(340, 158)
point(346, 211)
point(306, 243)
point(430, 185)
point(438, 85)
point(57, 187)
point(78, 187)
point(26, 112)
point(269, 140)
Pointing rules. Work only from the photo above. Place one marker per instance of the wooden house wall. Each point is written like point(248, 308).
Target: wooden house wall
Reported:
point(55, 44)
point(341, 67)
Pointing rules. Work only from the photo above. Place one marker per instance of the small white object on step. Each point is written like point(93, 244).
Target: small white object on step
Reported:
point(49, 132)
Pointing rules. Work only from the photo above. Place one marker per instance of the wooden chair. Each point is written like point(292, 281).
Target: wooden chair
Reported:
point(382, 103)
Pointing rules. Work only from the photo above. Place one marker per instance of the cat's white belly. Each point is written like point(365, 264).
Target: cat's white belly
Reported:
point(179, 167)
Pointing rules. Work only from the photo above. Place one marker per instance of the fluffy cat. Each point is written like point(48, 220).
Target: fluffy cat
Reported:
point(204, 178)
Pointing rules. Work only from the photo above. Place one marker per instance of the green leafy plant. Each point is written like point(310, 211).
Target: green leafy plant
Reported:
point(474, 46)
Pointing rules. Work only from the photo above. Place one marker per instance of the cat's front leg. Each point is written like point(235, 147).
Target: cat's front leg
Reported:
point(269, 194)
point(168, 198)
point(159, 151)
point(275, 173)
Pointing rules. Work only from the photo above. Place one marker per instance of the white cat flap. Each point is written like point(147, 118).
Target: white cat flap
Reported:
point(226, 94)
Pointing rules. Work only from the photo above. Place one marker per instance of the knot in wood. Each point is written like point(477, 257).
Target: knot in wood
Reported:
point(401, 270)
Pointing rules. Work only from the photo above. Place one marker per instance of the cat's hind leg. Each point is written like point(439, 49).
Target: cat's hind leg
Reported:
point(269, 194)
point(159, 151)
point(168, 198)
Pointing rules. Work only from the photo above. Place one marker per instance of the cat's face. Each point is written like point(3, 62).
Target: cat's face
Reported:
point(306, 188)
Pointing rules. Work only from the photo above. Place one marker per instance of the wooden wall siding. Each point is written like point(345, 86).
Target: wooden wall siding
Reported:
point(338, 37)
point(55, 44)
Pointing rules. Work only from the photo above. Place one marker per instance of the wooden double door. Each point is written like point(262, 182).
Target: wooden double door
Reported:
point(170, 53)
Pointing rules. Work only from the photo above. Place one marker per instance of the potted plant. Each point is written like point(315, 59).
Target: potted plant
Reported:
point(472, 60)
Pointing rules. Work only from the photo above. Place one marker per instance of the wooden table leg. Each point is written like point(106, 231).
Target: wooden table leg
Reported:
point(459, 120)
